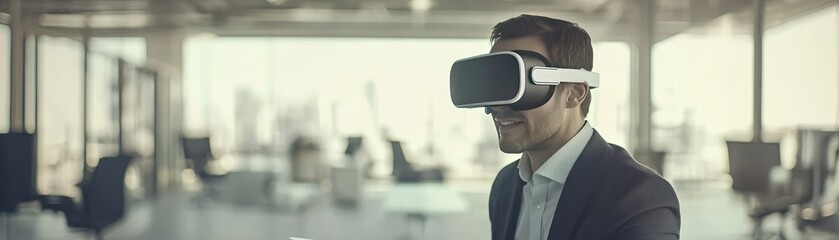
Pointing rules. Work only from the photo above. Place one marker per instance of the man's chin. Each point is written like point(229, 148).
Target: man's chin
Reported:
point(510, 151)
point(510, 148)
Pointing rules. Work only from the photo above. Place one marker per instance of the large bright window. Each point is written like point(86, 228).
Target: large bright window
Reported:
point(801, 87)
point(801, 84)
point(5, 63)
point(609, 112)
point(702, 96)
point(257, 94)
point(60, 136)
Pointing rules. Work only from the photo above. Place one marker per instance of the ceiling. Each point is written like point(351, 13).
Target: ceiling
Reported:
point(604, 19)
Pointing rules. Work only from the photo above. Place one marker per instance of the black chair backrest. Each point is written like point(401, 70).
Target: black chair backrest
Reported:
point(353, 145)
point(104, 196)
point(400, 163)
point(197, 148)
point(198, 152)
point(17, 170)
point(750, 164)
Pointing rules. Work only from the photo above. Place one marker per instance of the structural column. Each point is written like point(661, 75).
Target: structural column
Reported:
point(18, 83)
point(164, 54)
point(757, 102)
point(641, 85)
point(85, 97)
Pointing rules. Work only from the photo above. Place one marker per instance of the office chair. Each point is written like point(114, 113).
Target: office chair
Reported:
point(750, 165)
point(816, 148)
point(405, 172)
point(17, 170)
point(103, 198)
point(17, 173)
point(199, 154)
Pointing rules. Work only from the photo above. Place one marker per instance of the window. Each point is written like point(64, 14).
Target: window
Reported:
point(258, 94)
point(800, 72)
point(60, 136)
point(609, 111)
point(800, 81)
point(5, 77)
point(701, 99)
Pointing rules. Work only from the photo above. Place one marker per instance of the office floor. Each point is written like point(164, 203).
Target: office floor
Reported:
point(709, 211)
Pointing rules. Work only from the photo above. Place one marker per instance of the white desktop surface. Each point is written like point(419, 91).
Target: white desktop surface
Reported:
point(424, 198)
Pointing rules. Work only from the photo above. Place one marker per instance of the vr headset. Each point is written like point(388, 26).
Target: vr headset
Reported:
point(519, 79)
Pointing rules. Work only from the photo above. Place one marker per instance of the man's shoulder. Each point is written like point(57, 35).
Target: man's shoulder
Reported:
point(637, 184)
point(625, 166)
point(614, 163)
point(629, 190)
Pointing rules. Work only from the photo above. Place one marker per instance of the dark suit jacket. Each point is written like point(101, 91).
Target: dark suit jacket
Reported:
point(608, 195)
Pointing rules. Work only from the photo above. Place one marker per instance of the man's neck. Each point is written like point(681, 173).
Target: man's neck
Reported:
point(540, 154)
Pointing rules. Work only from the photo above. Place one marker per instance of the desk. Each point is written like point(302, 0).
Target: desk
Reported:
point(264, 180)
point(426, 198)
point(263, 163)
point(418, 200)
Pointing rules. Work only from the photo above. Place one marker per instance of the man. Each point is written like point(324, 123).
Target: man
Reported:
point(569, 183)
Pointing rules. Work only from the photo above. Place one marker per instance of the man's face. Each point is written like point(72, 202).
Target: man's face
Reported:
point(520, 131)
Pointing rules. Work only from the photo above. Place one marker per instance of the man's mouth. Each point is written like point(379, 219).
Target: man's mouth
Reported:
point(507, 124)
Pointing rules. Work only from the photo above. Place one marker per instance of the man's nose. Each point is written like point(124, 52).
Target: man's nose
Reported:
point(496, 109)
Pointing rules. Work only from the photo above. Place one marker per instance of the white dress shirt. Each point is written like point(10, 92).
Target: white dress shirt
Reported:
point(543, 188)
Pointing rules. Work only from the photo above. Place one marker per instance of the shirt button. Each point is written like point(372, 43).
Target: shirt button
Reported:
point(538, 206)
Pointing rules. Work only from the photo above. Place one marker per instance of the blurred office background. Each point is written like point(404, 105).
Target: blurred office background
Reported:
point(331, 119)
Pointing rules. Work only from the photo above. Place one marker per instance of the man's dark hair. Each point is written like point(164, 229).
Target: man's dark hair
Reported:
point(568, 45)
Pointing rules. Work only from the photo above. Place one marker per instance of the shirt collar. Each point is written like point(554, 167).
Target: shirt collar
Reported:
point(559, 165)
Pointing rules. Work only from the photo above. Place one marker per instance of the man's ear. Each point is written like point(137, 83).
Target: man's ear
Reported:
point(577, 93)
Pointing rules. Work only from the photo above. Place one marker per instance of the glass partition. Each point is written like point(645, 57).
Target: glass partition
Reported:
point(138, 125)
point(102, 108)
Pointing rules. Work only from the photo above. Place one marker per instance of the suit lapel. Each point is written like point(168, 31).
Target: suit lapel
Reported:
point(512, 206)
point(579, 187)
